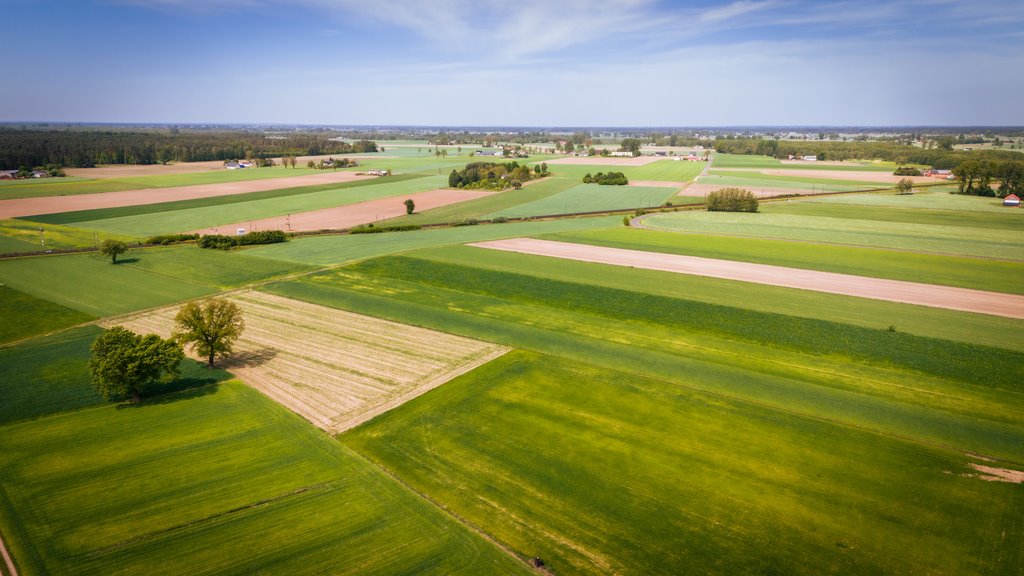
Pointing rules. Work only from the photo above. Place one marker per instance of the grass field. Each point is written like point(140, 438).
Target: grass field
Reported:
point(955, 240)
point(936, 199)
point(142, 209)
point(330, 250)
point(13, 245)
point(916, 213)
point(215, 480)
point(754, 181)
point(602, 471)
point(25, 315)
point(25, 236)
point(583, 198)
point(50, 374)
point(210, 216)
point(64, 187)
point(753, 161)
point(663, 170)
point(977, 273)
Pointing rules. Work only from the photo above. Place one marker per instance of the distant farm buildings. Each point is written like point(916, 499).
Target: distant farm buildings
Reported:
point(944, 174)
point(1011, 200)
point(8, 174)
point(236, 165)
point(499, 152)
point(377, 172)
point(622, 153)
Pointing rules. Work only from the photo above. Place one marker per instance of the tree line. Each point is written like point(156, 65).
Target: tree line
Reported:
point(87, 148)
point(495, 175)
point(976, 175)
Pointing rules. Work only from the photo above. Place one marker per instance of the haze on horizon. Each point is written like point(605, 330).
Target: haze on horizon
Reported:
point(461, 62)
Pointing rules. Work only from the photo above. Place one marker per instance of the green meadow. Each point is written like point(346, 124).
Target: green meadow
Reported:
point(603, 471)
point(753, 161)
point(754, 180)
point(22, 235)
point(215, 480)
point(583, 198)
point(663, 170)
point(24, 315)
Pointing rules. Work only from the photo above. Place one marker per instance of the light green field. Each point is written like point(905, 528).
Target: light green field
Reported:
point(63, 187)
point(955, 240)
point(925, 200)
point(332, 250)
point(210, 216)
point(215, 268)
point(755, 181)
point(917, 213)
point(215, 480)
point(977, 273)
point(664, 170)
point(753, 161)
point(583, 198)
point(600, 471)
point(24, 236)
point(89, 283)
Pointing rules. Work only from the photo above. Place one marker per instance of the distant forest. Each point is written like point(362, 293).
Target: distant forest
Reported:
point(87, 148)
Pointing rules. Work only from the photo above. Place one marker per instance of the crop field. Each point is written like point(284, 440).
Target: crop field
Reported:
point(143, 278)
point(183, 220)
point(755, 180)
point(662, 170)
point(214, 480)
point(24, 315)
point(592, 198)
point(334, 368)
point(767, 162)
point(30, 236)
point(602, 471)
point(50, 374)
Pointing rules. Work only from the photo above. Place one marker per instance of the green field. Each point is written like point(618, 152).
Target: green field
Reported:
point(583, 198)
point(755, 181)
point(25, 315)
point(50, 374)
point(917, 213)
point(336, 249)
point(664, 170)
point(25, 236)
point(777, 224)
point(936, 200)
point(602, 471)
point(209, 216)
point(214, 480)
point(105, 213)
point(753, 161)
point(62, 187)
point(977, 273)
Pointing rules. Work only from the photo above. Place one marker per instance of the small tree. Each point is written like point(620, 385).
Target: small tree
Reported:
point(410, 206)
point(211, 326)
point(124, 363)
point(113, 248)
point(905, 186)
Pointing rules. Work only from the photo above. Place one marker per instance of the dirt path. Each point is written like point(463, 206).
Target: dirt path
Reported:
point(56, 204)
point(950, 298)
point(341, 217)
point(7, 559)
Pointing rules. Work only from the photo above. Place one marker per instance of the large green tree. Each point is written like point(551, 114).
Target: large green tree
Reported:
point(124, 363)
point(211, 326)
point(113, 248)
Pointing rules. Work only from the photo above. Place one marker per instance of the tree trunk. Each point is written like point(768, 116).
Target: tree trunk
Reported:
point(211, 360)
point(135, 398)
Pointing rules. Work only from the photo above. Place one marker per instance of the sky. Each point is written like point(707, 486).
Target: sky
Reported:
point(519, 63)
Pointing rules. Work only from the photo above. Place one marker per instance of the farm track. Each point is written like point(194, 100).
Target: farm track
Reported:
point(11, 570)
point(334, 368)
point(951, 298)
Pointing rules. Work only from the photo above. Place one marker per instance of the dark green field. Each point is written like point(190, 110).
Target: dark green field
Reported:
point(25, 315)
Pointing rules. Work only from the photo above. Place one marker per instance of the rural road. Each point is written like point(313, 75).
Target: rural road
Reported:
point(948, 297)
point(56, 204)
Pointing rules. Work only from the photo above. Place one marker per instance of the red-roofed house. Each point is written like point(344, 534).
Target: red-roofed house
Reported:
point(1011, 200)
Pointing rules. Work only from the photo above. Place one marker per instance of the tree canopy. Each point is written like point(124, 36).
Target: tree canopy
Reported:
point(124, 363)
point(113, 248)
point(212, 327)
point(732, 200)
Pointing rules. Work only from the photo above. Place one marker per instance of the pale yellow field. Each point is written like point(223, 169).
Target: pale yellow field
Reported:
point(334, 368)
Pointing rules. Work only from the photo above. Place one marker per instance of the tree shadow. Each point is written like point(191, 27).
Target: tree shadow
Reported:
point(126, 260)
point(199, 389)
point(251, 358)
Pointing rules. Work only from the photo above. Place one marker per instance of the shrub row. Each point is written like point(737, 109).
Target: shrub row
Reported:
point(166, 239)
point(371, 229)
point(222, 242)
point(607, 179)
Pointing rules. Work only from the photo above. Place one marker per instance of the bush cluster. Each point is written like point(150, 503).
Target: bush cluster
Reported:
point(492, 175)
point(165, 239)
point(371, 229)
point(222, 242)
point(609, 179)
point(732, 200)
point(907, 171)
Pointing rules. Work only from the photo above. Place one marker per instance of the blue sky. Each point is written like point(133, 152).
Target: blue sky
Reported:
point(528, 62)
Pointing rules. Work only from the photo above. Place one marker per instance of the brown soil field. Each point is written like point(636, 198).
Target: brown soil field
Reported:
point(606, 160)
point(55, 204)
point(698, 189)
point(350, 215)
point(857, 175)
point(963, 299)
point(656, 183)
point(818, 163)
point(334, 368)
point(135, 170)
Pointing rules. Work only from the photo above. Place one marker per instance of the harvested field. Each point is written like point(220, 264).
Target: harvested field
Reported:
point(334, 368)
point(340, 217)
point(136, 170)
point(951, 298)
point(698, 189)
point(56, 204)
point(863, 176)
point(607, 160)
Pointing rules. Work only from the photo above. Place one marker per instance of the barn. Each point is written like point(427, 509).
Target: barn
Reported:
point(1011, 200)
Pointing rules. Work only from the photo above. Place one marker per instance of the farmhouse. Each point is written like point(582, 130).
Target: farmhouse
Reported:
point(40, 174)
point(1011, 200)
point(489, 153)
point(810, 158)
point(377, 172)
point(232, 165)
point(8, 174)
point(622, 153)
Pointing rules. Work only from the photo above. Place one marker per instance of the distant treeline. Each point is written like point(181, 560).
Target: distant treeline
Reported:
point(938, 158)
point(87, 148)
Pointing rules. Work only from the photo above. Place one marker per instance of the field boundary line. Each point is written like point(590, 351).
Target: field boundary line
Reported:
point(11, 569)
